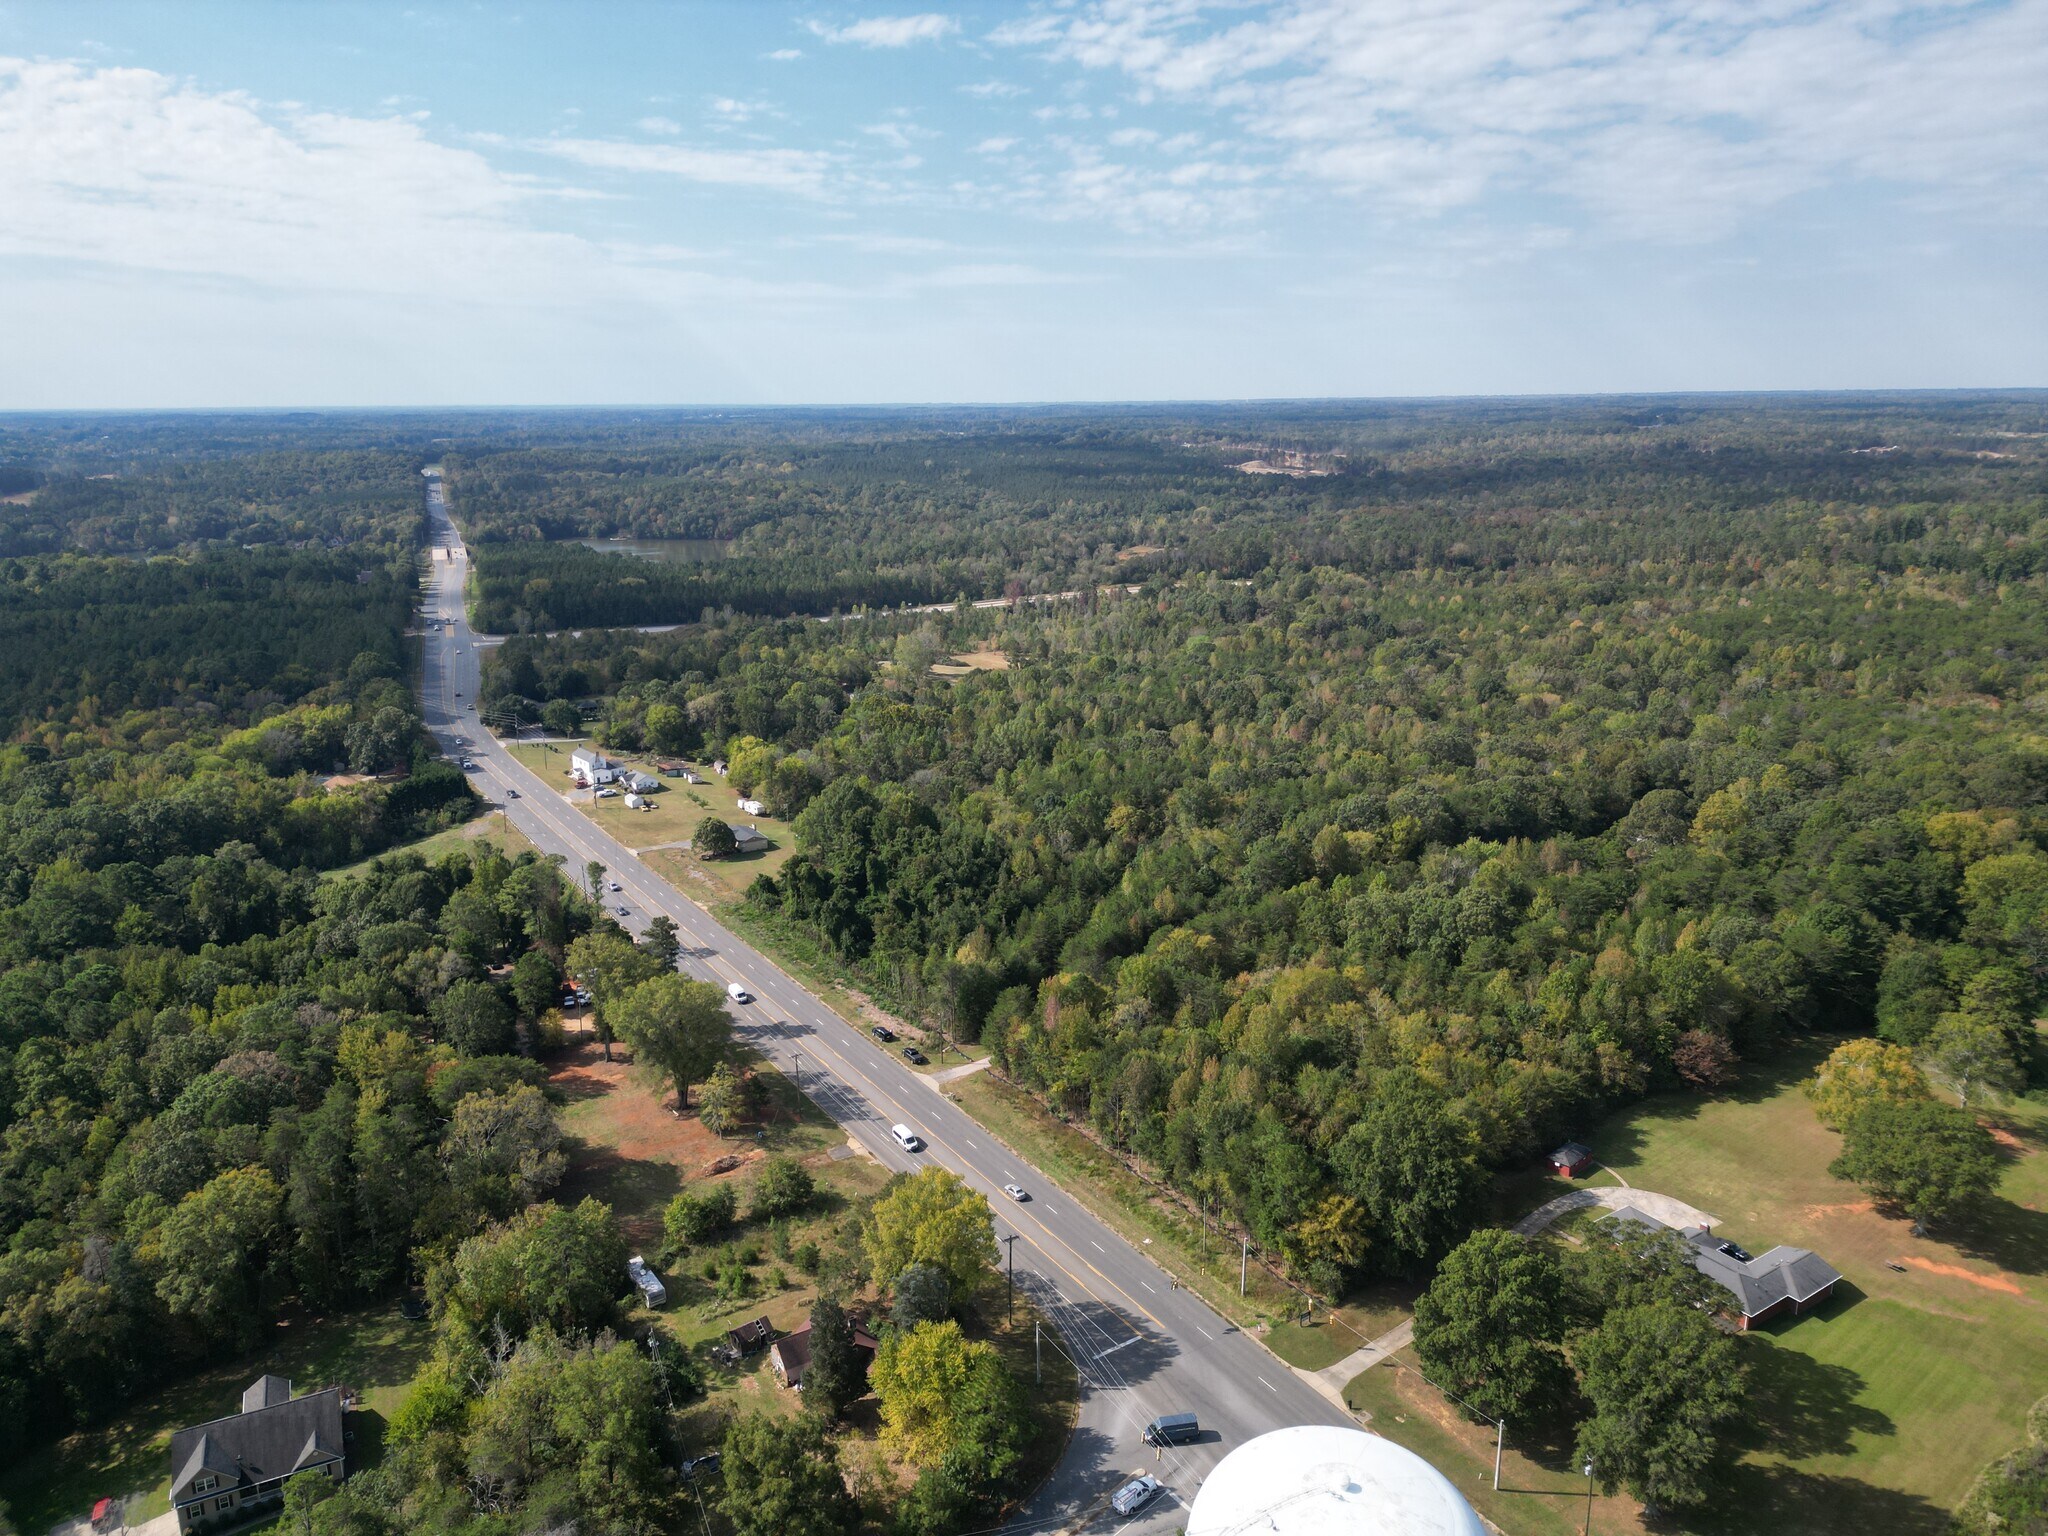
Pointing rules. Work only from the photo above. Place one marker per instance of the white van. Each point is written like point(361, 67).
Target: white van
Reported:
point(738, 993)
point(906, 1138)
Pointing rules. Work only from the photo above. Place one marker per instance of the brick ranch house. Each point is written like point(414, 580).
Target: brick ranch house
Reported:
point(1783, 1282)
point(234, 1469)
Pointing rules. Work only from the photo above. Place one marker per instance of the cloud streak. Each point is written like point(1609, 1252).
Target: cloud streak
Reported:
point(889, 31)
point(1660, 119)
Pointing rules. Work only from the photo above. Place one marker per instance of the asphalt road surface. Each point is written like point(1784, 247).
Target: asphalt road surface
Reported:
point(1143, 1346)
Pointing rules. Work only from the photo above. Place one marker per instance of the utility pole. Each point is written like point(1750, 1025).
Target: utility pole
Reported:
point(1589, 1496)
point(1244, 1260)
point(1500, 1441)
point(1010, 1306)
point(1037, 1352)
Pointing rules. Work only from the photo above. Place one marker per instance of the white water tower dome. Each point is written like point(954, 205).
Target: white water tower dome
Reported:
point(1320, 1480)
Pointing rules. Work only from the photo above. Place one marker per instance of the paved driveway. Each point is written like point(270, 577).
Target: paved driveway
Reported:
point(1670, 1211)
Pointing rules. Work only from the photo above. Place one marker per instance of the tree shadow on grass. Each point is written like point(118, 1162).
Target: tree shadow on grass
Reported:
point(635, 1188)
point(1779, 1498)
point(2013, 1237)
point(1801, 1407)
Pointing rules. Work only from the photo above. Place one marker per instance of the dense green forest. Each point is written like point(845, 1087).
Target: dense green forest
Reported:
point(1410, 815)
point(1485, 811)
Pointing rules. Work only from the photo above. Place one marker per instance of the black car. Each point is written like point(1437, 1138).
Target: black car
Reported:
point(914, 1056)
point(883, 1033)
point(699, 1466)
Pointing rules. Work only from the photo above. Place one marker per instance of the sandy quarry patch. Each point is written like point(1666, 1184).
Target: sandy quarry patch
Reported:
point(2004, 1283)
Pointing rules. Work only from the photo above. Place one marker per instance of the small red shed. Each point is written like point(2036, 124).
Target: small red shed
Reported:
point(1572, 1159)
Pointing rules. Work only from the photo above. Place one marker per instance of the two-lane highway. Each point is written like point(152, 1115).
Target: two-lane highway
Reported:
point(1144, 1346)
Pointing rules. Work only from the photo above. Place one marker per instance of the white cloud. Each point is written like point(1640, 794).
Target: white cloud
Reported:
point(784, 55)
point(129, 168)
point(781, 170)
point(666, 125)
point(898, 133)
point(732, 109)
point(1659, 118)
point(889, 31)
point(995, 146)
point(989, 90)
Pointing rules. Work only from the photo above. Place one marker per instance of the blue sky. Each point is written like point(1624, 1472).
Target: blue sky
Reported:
point(335, 204)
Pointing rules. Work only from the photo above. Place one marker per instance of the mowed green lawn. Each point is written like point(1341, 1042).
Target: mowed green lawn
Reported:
point(1874, 1414)
point(374, 1350)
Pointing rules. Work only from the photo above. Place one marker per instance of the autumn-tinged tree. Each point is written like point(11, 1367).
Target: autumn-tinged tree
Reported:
point(1860, 1072)
point(920, 1375)
point(932, 1217)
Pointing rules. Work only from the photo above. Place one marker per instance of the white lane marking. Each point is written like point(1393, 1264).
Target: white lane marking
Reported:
point(1205, 1333)
point(1103, 1354)
point(1267, 1384)
point(1050, 1211)
point(1097, 1246)
point(971, 1144)
point(1147, 1287)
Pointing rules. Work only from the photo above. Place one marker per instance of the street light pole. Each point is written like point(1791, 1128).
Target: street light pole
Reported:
point(1010, 1306)
point(1244, 1260)
point(1589, 1495)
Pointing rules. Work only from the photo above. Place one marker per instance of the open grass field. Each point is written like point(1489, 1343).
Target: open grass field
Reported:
point(373, 1350)
point(1870, 1415)
point(1875, 1413)
point(489, 828)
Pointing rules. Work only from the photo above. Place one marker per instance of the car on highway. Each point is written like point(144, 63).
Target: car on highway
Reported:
point(906, 1138)
point(1136, 1494)
point(914, 1056)
point(511, 794)
point(1016, 1192)
point(625, 911)
point(738, 993)
point(468, 766)
point(616, 886)
point(883, 1033)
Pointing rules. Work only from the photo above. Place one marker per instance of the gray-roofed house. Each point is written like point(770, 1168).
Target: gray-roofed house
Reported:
point(1783, 1282)
point(234, 1469)
point(748, 839)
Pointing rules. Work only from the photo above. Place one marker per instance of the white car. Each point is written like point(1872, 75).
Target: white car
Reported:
point(1136, 1494)
point(738, 993)
point(1016, 1192)
point(606, 794)
point(616, 886)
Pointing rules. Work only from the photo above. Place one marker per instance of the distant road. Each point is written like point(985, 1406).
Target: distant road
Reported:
point(1144, 1347)
point(832, 618)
